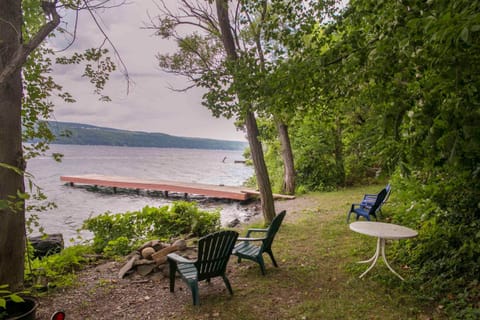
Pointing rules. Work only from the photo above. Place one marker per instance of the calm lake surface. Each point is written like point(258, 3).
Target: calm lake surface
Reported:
point(74, 205)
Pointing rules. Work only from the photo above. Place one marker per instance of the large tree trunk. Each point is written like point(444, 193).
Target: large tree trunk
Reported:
point(261, 172)
point(288, 186)
point(12, 222)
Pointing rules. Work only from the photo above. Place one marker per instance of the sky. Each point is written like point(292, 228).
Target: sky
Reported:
point(148, 105)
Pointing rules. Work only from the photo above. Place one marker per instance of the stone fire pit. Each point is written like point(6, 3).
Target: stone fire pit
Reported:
point(152, 257)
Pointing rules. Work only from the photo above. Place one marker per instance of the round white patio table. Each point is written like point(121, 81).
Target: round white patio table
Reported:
point(383, 231)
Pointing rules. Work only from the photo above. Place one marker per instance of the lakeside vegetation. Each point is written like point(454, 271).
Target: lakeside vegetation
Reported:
point(84, 134)
point(118, 234)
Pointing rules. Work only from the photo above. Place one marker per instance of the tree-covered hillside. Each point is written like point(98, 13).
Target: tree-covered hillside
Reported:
point(84, 134)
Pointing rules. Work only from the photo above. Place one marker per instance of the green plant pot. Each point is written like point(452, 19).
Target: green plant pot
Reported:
point(20, 310)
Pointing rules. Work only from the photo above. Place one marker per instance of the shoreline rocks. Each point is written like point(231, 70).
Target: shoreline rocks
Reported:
point(45, 245)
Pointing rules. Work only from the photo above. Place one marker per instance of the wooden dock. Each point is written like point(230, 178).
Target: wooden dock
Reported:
point(207, 190)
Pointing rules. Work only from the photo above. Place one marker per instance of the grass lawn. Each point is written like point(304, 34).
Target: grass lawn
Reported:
point(317, 276)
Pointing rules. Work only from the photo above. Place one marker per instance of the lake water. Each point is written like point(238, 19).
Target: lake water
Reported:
point(74, 205)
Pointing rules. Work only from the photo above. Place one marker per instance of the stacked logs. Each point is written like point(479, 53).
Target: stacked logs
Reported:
point(152, 257)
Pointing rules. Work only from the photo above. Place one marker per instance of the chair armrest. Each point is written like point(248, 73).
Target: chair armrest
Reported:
point(360, 205)
point(177, 258)
point(366, 203)
point(255, 230)
point(251, 239)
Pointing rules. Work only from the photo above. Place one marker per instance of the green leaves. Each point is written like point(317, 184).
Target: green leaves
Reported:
point(59, 268)
point(120, 232)
point(97, 68)
point(6, 294)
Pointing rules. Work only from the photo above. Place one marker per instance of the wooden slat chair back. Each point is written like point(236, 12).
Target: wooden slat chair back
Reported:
point(247, 249)
point(214, 251)
point(367, 212)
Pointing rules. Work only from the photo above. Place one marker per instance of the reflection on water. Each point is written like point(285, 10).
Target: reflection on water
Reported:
point(76, 204)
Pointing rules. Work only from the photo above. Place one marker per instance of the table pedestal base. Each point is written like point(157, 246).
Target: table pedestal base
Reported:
point(380, 249)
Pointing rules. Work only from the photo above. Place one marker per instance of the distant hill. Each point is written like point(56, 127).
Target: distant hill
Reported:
point(85, 134)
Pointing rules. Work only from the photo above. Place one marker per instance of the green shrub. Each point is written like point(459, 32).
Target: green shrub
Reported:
point(446, 254)
point(59, 268)
point(119, 233)
point(118, 247)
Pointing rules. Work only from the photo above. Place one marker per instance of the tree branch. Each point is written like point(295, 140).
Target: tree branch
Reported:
point(74, 36)
point(20, 56)
point(185, 89)
point(195, 15)
point(117, 54)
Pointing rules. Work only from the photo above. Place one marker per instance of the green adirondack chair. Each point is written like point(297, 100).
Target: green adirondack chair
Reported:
point(214, 251)
point(247, 249)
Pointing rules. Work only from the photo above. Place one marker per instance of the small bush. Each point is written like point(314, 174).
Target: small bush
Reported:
point(118, 247)
point(119, 233)
point(59, 268)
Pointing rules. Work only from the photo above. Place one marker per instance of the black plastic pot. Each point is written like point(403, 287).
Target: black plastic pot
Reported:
point(20, 310)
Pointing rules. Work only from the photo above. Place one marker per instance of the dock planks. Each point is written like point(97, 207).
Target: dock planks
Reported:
point(208, 190)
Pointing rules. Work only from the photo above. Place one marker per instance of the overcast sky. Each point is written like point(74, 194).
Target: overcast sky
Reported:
point(149, 105)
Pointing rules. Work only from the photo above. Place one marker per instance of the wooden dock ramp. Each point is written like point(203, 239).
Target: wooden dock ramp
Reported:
point(207, 190)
